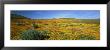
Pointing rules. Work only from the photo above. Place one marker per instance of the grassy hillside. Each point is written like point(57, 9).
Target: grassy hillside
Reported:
point(16, 16)
point(54, 29)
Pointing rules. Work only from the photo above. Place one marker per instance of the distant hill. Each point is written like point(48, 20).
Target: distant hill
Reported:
point(67, 18)
point(16, 16)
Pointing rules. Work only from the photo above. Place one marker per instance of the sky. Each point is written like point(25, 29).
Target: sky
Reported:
point(49, 14)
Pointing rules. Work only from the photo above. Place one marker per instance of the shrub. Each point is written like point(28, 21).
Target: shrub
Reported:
point(33, 35)
point(36, 25)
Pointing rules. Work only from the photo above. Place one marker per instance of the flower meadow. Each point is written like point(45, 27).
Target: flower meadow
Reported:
point(55, 29)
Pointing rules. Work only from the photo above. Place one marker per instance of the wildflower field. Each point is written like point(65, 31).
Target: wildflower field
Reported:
point(55, 29)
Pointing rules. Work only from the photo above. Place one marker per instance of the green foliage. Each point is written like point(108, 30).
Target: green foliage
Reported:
point(33, 35)
point(36, 25)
